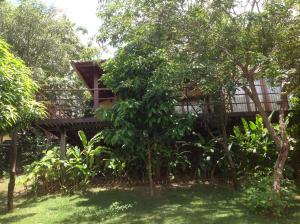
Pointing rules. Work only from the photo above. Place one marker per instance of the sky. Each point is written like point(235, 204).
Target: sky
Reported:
point(81, 12)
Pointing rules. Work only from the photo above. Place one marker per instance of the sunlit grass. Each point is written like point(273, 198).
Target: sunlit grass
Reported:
point(196, 204)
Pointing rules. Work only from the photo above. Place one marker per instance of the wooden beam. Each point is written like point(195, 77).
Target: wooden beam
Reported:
point(73, 64)
point(96, 91)
point(248, 103)
point(265, 94)
point(63, 138)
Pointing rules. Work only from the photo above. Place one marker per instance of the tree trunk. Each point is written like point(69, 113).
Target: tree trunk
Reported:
point(149, 149)
point(232, 171)
point(254, 96)
point(281, 142)
point(12, 173)
point(282, 153)
point(220, 110)
point(279, 166)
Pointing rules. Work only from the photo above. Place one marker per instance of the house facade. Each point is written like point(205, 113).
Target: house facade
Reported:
point(72, 110)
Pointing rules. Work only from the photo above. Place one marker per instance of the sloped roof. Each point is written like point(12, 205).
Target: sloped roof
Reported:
point(86, 71)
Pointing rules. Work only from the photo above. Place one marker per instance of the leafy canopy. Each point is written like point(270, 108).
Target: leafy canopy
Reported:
point(17, 92)
point(141, 76)
point(215, 41)
point(45, 39)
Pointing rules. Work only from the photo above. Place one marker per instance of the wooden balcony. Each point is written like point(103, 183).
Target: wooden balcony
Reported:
point(70, 110)
point(81, 103)
point(75, 103)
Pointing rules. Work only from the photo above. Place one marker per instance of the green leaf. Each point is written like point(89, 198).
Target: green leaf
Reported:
point(82, 137)
point(252, 125)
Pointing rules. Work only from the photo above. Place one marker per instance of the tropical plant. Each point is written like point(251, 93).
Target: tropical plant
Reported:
point(18, 106)
point(45, 172)
point(253, 146)
point(80, 165)
point(74, 173)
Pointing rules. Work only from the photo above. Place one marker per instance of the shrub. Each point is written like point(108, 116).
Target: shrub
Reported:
point(253, 146)
point(259, 197)
point(51, 173)
point(44, 172)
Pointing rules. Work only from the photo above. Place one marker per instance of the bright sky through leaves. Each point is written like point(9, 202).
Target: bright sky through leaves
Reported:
point(81, 12)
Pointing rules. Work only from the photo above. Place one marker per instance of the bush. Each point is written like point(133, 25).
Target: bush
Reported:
point(253, 146)
point(45, 172)
point(259, 197)
point(51, 173)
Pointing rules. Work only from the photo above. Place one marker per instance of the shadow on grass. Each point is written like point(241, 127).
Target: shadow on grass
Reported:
point(188, 205)
point(198, 204)
point(15, 218)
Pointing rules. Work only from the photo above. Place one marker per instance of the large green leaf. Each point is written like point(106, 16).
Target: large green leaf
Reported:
point(82, 137)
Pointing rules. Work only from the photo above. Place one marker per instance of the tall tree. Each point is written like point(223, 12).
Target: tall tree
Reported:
point(45, 39)
point(247, 46)
point(144, 119)
point(18, 107)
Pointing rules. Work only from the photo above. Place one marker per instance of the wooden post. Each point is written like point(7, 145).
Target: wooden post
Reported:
point(63, 136)
point(266, 97)
point(96, 91)
point(12, 172)
point(248, 103)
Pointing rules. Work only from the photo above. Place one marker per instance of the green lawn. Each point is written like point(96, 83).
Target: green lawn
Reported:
point(198, 204)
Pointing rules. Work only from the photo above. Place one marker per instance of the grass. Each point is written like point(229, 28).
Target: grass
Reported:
point(203, 204)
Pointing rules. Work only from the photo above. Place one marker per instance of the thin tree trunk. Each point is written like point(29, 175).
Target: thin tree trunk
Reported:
point(232, 171)
point(149, 149)
point(220, 110)
point(12, 173)
point(281, 142)
point(282, 153)
point(254, 96)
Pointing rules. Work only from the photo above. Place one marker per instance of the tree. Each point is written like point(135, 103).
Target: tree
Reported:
point(222, 45)
point(18, 107)
point(45, 39)
point(247, 46)
point(165, 22)
point(294, 131)
point(144, 119)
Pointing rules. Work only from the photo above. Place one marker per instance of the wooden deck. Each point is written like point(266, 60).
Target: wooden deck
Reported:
point(71, 126)
point(73, 110)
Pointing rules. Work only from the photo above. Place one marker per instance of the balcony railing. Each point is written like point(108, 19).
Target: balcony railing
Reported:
point(74, 103)
point(79, 103)
point(238, 103)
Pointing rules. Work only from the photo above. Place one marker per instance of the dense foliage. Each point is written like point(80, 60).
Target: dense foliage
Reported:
point(17, 91)
point(294, 130)
point(253, 146)
point(145, 117)
point(52, 173)
point(259, 197)
point(219, 45)
point(46, 41)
